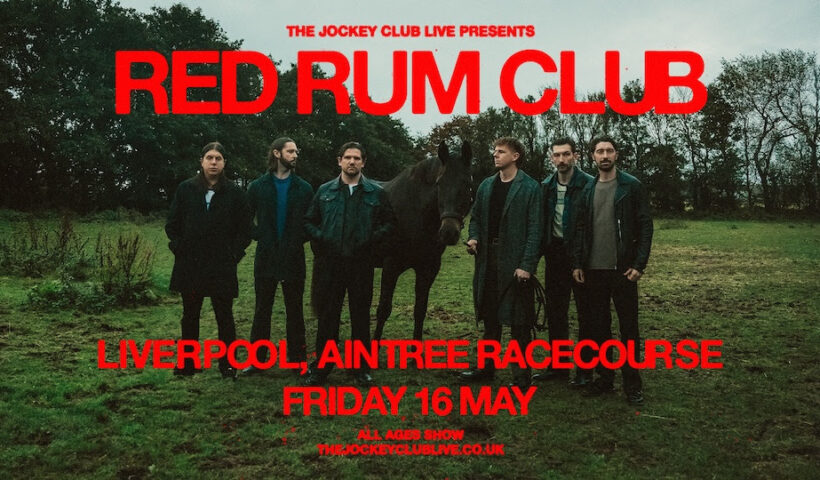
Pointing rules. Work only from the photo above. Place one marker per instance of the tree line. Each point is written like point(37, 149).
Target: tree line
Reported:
point(754, 144)
point(66, 147)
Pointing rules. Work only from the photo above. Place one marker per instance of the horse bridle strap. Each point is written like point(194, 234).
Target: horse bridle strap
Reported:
point(453, 215)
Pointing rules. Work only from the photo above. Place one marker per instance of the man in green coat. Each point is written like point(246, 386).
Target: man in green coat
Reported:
point(278, 202)
point(505, 237)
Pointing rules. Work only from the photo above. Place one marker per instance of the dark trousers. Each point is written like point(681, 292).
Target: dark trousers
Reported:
point(223, 310)
point(335, 277)
point(603, 285)
point(558, 286)
point(293, 291)
point(520, 328)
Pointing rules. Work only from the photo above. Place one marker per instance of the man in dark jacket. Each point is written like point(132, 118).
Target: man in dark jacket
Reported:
point(505, 237)
point(610, 252)
point(278, 201)
point(562, 190)
point(348, 219)
point(208, 228)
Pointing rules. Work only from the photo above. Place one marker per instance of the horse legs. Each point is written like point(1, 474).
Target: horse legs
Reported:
point(425, 275)
point(390, 275)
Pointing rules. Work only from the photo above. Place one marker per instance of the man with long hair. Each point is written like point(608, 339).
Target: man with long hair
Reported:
point(209, 228)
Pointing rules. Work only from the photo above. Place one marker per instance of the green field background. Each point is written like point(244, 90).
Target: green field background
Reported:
point(752, 284)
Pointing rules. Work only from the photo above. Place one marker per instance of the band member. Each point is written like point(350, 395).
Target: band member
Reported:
point(561, 192)
point(278, 201)
point(610, 251)
point(505, 236)
point(208, 228)
point(348, 219)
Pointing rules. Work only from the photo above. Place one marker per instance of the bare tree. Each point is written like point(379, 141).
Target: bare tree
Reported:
point(797, 75)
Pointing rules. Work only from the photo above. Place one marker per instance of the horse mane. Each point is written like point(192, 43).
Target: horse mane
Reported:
point(426, 171)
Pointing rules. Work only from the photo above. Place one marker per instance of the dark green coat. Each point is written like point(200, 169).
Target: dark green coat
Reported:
point(340, 225)
point(576, 185)
point(519, 233)
point(633, 224)
point(207, 244)
point(285, 259)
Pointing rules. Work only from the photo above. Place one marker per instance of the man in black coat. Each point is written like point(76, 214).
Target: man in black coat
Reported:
point(209, 228)
point(278, 201)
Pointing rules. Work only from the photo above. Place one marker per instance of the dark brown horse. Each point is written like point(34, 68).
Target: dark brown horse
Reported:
point(430, 200)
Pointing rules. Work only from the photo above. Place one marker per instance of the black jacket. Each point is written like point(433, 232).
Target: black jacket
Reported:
point(344, 225)
point(633, 224)
point(207, 243)
point(285, 259)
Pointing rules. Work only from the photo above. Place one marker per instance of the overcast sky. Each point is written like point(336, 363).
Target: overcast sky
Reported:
point(714, 29)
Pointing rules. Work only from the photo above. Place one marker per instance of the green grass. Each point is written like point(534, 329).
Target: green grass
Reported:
point(752, 284)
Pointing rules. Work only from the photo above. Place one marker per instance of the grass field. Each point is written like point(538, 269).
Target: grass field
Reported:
point(752, 284)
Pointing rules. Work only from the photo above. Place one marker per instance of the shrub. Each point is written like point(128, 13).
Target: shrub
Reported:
point(34, 250)
point(60, 294)
point(124, 267)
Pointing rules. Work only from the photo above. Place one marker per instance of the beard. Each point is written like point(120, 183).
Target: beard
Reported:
point(287, 165)
point(606, 167)
point(351, 172)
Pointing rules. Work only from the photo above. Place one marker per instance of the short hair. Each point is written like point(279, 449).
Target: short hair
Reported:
point(565, 141)
point(602, 138)
point(348, 145)
point(213, 146)
point(514, 144)
point(277, 145)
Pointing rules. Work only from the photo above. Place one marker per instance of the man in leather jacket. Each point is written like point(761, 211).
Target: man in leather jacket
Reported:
point(610, 251)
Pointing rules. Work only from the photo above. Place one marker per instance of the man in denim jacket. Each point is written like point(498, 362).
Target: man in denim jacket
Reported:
point(348, 220)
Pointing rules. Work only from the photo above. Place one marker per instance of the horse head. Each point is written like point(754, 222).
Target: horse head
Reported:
point(454, 192)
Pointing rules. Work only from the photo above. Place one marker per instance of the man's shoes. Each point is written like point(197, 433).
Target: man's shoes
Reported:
point(598, 388)
point(364, 379)
point(477, 375)
point(228, 372)
point(634, 397)
point(186, 372)
point(314, 378)
point(551, 374)
point(252, 370)
point(581, 380)
point(521, 383)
